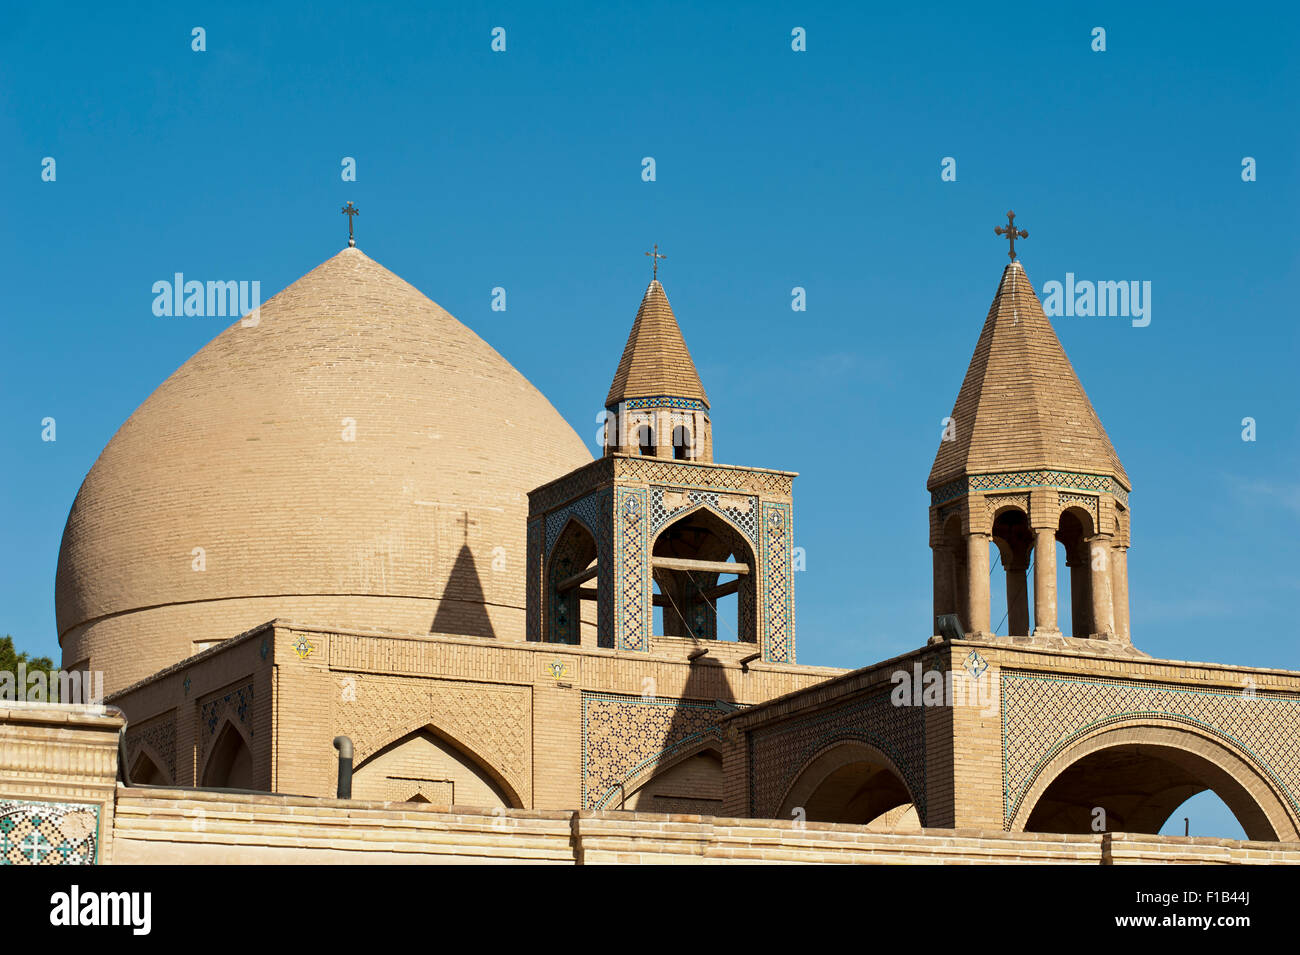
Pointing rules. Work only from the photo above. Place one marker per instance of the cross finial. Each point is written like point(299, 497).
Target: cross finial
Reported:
point(655, 257)
point(1012, 233)
point(465, 523)
point(350, 210)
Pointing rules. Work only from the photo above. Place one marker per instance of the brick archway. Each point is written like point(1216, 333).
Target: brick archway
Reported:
point(456, 749)
point(849, 781)
point(1139, 773)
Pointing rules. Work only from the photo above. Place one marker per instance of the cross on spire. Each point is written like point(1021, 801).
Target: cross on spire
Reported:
point(1012, 233)
point(465, 523)
point(655, 256)
point(350, 210)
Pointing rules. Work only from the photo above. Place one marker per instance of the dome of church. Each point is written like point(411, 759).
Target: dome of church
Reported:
point(356, 458)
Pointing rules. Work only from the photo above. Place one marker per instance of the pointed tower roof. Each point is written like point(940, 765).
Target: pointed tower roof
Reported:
point(1021, 406)
point(655, 361)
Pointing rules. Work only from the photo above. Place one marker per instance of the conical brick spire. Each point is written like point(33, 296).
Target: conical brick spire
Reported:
point(1021, 406)
point(655, 360)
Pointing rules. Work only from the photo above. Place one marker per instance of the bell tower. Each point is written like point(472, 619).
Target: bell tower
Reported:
point(656, 524)
point(1024, 463)
point(656, 406)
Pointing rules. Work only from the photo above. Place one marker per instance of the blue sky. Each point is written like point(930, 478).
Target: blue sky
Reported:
point(774, 169)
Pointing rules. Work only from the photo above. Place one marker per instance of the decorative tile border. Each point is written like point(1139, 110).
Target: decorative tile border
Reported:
point(660, 401)
point(633, 607)
point(48, 833)
point(1023, 480)
point(777, 593)
point(669, 504)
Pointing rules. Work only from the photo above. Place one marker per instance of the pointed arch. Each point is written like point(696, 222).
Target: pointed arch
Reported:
point(229, 764)
point(153, 766)
point(146, 769)
point(690, 597)
point(571, 564)
point(472, 760)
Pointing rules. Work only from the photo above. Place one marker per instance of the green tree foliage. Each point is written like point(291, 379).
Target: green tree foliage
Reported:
point(10, 658)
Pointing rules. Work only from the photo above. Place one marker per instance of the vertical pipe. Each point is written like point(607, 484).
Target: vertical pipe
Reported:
point(344, 745)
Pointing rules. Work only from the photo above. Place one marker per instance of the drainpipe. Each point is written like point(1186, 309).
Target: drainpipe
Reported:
point(344, 745)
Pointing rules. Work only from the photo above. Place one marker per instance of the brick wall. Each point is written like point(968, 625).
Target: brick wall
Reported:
point(159, 826)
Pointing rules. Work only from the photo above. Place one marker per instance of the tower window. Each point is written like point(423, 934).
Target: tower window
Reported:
point(682, 443)
point(645, 438)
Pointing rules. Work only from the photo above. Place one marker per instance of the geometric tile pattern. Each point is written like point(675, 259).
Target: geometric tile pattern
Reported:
point(1086, 501)
point(493, 723)
point(622, 735)
point(632, 594)
point(586, 510)
point(778, 754)
point(778, 583)
point(667, 504)
point(1042, 715)
point(661, 401)
point(605, 570)
point(674, 474)
point(237, 706)
point(605, 471)
point(158, 738)
point(1023, 480)
point(48, 833)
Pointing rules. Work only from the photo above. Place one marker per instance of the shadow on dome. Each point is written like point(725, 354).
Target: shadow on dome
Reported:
point(463, 609)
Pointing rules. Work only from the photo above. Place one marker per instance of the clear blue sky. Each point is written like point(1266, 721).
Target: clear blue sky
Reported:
point(775, 169)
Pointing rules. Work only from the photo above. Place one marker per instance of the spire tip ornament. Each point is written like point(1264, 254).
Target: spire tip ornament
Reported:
point(350, 210)
point(1011, 233)
point(655, 257)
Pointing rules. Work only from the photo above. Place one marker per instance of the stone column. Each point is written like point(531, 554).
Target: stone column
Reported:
point(977, 582)
point(1103, 609)
point(1045, 582)
point(1017, 599)
point(1119, 592)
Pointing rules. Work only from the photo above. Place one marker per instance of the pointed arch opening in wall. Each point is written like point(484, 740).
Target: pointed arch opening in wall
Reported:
point(682, 450)
point(690, 559)
point(852, 782)
point(144, 771)
point(1074, 532)
point(1014, 540)
point(645, 440)
point(1133, 778)
point(432, 763)
point(230, 761)
point(572, 592)
point(950, 578)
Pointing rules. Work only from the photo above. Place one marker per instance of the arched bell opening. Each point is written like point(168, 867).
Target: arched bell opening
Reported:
point(1014, 540)
point(572, 594)
point(701, 564)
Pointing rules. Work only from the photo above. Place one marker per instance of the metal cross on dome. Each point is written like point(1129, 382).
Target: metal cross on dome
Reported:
point(350, 210)
point(1012, 233)
point(655, 256)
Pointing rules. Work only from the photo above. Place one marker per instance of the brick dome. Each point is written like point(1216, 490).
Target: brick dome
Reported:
point(417, 524)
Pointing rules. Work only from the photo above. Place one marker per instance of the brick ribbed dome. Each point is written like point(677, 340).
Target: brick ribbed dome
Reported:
point(416, 525)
